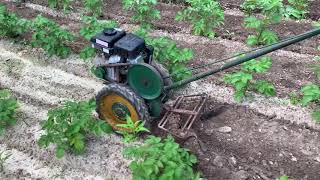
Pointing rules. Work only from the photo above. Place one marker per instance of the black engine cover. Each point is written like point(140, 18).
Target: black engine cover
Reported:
point(129, 46)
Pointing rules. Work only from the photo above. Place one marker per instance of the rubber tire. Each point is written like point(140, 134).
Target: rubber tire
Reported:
point(127, 93)
point(163, 72)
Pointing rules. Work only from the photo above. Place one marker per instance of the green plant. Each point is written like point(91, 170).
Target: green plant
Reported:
point(294, 98)
point(60, 4)
point(94, 6)
point(144, 11)
point(91, 26)
point(51, 37)
point(161, 159)
point(8, 107)
point(10, 24)
point(243, 80)
point(169, 54)
point(285, 178)
point(3, 158)
point(134, 127)
point(271, 13)
point(67, 126)
point(296, 9)
point(205, 15)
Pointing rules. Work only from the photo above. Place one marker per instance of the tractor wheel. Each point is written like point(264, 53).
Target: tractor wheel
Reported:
point(163, 72)
point(116, 101)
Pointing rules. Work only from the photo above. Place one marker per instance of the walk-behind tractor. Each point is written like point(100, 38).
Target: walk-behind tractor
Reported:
point(138, 86)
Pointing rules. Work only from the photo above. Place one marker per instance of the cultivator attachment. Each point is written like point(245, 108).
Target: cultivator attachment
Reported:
point(182, 114)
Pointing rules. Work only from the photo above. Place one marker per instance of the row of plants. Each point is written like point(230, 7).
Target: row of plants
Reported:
point(309, 94)
point(68, 126)
point(207, 15)
point(94, 7)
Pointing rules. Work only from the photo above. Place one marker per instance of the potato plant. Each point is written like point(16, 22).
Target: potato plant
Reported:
point(8, 108)
point(10, 24)
point(271, 13)
point(243, 80)
point(68, 125)
point(169, 54)
point(161, 159)
point(297, 9)
point(204, 16)
point(134, 127)
point(144, 11)
point(93, 6)
point(51, 37)
point(60, 4)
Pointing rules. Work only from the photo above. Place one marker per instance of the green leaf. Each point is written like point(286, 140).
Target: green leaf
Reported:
point(60, 152)
point(265, 88)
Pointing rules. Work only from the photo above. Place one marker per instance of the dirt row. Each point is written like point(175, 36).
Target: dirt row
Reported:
point(277, 146)
point(232, 29)
point(39, 88)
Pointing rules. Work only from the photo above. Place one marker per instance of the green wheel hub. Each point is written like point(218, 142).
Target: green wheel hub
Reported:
point(145, 80)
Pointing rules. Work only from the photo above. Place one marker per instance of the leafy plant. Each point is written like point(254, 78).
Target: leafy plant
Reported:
point(271, 13)
point(60, 4)
point(144, 11)
point(51, 37)
point(285, 178)
point(161, 159)
point(67, 126)
point(311, 93)
point(134, 129)
point(297, 9)
point(94, 6)
point(244, 81)
point(8, 107)
point(205, 15)
point(10, 24)
point(3, 158)
point(169, 54)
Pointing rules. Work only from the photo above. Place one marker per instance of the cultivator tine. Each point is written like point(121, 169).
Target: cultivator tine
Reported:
point(188, 108)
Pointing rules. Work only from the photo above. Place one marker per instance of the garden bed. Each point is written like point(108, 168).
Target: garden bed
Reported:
point(269, 137)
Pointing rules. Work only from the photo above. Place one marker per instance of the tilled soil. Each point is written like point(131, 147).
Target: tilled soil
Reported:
point(265, 137)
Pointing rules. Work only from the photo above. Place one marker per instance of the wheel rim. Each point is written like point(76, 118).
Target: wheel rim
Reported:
point(114, 109)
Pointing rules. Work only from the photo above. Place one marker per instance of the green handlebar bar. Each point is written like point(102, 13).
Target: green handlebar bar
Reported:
point(246, 58)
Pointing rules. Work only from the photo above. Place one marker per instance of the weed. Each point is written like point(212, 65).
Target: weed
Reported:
point(161, 159)
point(67, 126)
point(8, 107)
point(204, 15)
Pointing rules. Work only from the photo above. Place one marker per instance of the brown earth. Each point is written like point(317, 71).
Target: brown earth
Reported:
point(259, 146)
